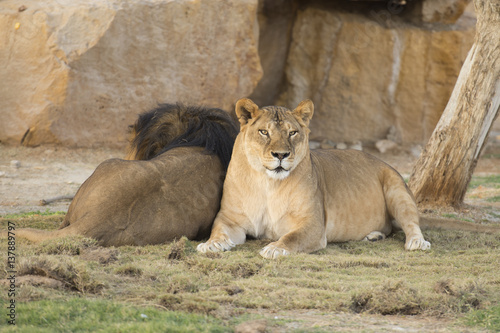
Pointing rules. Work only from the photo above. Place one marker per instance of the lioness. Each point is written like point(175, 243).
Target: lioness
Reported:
point(277, 188)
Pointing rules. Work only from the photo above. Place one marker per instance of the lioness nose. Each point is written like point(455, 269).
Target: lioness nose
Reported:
point(280, 156)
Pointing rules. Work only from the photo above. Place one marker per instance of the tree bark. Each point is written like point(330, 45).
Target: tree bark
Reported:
point(442, 173)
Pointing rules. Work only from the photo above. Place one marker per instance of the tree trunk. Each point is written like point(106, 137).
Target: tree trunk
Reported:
point(443, 171)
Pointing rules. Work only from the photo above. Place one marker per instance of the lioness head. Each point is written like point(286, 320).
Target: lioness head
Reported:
point(274, 138)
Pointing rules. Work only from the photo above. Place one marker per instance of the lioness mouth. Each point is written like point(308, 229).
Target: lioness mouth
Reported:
point(279, 169)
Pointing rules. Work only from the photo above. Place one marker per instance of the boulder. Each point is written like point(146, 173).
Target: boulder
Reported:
point(275, 30)
point(367, 72)
point(385, 145)
point(444, 11)
point(77, 73)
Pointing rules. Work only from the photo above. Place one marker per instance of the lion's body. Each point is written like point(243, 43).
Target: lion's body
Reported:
point(156, 202)
point(175, 193)
point(276, 188)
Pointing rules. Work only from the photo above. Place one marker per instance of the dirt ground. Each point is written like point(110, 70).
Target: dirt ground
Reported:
point(308, 320)
point(28, 175)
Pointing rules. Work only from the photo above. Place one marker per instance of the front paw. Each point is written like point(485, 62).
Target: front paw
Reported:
point(272, 251)
point(215, 246)
point(417, 243)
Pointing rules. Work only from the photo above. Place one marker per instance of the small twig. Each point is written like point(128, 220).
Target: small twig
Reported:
point(44, 202)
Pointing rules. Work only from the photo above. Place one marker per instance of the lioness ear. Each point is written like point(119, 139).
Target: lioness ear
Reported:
point(246, 110)
point(304, 111)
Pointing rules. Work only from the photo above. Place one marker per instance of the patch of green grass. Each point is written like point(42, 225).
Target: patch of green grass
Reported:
point(45, 222)
point(486, 318)
point(456, 217)
point(91, 315)
point(37, 213)
point(493, 214)
point(491, 156)
point(487, 181)
point(494, 199)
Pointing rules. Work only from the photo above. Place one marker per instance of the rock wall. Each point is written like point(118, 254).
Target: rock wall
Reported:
point(276, 19)
point(78, 72)
point(369, 71)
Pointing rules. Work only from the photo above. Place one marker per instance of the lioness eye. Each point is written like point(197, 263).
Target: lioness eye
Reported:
point(292, 133)
point(263, 132)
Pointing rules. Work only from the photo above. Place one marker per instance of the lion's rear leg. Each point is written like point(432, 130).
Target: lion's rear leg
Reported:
point(374, 236)
point(402, 207)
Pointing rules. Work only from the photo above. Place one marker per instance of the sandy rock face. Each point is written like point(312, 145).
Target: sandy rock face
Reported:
point(445, 11)
point(366, 73)
point(76, 72)
point(276, 19)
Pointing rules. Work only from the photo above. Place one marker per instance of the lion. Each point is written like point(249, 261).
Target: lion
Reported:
point(301, 199)
point(170, 187)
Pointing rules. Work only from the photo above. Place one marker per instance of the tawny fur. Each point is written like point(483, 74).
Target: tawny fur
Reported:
point(277, 188)
point(175, 191)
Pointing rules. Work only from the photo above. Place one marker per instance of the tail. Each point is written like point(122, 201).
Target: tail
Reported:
point(37, 236)
point(427, 222)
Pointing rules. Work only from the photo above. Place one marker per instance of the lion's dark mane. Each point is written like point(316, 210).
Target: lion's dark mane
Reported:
point(210, 128)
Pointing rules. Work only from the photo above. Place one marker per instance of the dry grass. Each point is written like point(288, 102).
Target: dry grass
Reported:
point(75, 275)
point(72, 245)
point(459, 275)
